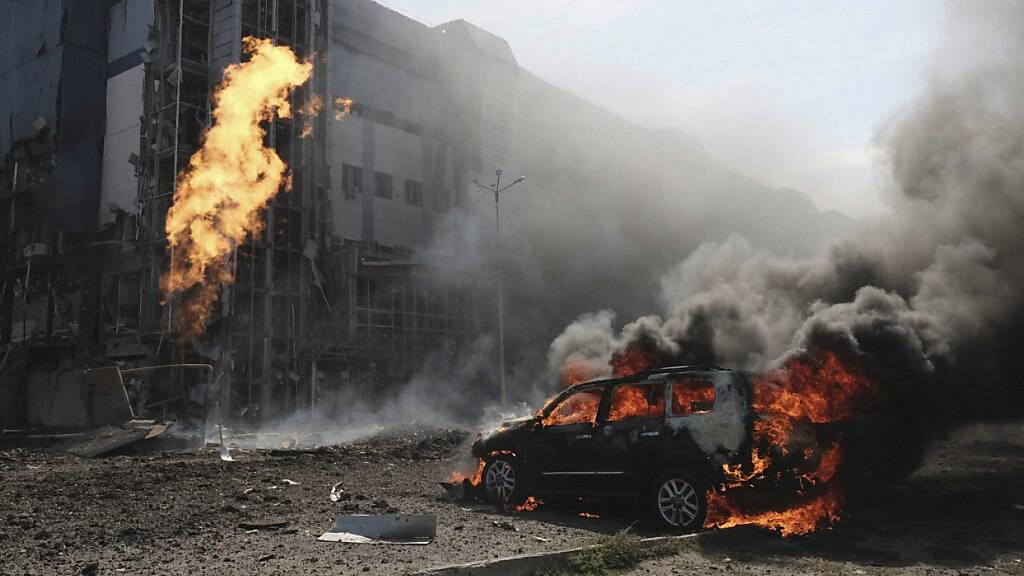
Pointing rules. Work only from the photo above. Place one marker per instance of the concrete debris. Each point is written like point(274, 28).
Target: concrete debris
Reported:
point(109, 438)
point(420, 529)
point(338, 493)
point(504, 525)
point(265, 524)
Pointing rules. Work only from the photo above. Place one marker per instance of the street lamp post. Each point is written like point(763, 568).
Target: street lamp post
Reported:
point(497, 189)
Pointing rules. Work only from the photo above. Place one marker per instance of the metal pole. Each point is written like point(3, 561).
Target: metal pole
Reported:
point(501, 295)
point(497, 190)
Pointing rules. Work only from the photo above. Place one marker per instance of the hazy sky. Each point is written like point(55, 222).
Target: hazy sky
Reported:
point(789, 92)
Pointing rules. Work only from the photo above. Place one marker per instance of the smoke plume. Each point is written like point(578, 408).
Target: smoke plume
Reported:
point(930, 299)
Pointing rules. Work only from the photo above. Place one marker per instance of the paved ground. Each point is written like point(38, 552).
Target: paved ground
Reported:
point(180, 513)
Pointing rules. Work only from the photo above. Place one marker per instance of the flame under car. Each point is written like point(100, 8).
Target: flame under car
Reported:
point(665, 436)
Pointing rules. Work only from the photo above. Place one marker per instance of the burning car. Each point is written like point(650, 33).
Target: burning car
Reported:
point(667, 436)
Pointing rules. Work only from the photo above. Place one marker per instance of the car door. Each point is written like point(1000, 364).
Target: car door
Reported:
point(562, 445)
point(628, 433)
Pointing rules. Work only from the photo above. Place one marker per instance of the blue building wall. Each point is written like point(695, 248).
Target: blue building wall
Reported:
point(31, 60)
point(53, 60)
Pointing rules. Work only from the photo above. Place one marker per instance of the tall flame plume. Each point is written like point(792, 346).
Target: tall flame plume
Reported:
point(219, 199)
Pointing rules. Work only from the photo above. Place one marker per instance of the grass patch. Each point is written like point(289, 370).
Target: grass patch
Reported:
point(609, 555)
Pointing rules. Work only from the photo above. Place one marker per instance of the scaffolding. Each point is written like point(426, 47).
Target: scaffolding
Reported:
point(309, 313)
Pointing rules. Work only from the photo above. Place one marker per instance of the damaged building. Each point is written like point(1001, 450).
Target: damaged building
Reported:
point(105, 102)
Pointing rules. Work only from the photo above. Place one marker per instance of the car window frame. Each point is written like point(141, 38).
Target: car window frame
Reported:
point(566, 394)
point(669, 402)
point(610, 394)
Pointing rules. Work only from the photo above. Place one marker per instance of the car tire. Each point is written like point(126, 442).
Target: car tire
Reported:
point(677, 502)
point(502, 481)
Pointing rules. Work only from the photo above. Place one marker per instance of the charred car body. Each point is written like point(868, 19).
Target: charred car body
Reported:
point(663, 435)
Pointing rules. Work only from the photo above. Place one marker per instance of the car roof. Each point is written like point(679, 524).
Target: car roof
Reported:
point(643, 375)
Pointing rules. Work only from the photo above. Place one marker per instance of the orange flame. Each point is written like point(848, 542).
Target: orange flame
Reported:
point(309, 111)
point(529, 505)
point(632, 360)
point(803, 518)
point(578, 408)
point(474, 478)
point(631, 401)
point(818, 387)
point(342, 107)
point(219, 198)
point(692, 395)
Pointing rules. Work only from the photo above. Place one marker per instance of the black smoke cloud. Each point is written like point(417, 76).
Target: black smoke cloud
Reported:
point(930, 299)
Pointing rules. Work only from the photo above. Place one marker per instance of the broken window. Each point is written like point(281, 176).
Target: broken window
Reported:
point(577, 408)
point(692, 396)
point(351, 180)
point(383, 185)
point(637, 402)
point(413, 193)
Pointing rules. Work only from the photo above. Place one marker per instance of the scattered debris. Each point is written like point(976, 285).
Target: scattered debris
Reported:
point(109, 438)
point(455, 491)
point(266, 557)
point(383, 529)
point(504, 525)
point(540, 539)
point(290, 482)
point(266, 524)
point(338, 493)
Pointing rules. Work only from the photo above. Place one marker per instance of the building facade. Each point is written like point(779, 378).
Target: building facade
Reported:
point(345, 287)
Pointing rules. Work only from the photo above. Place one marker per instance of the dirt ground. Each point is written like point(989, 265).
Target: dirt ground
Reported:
point(190, 513)
point(961, 513)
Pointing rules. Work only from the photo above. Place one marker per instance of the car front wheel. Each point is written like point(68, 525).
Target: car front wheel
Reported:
point(678, 503)
point(502, 483)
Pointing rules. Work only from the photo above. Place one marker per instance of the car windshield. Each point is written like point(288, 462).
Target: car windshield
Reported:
point(576, 408)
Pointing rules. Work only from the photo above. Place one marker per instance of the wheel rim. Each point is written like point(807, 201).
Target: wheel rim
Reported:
point(500, 481)
point(678, 502)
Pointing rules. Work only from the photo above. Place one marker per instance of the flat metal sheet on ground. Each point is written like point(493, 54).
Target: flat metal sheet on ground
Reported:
point(383, 529)
point(107, 439)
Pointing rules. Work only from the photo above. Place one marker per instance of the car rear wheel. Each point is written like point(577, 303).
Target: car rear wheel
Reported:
point(502, 482)
point(678, 503)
